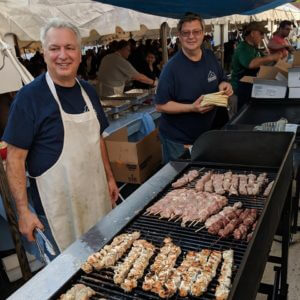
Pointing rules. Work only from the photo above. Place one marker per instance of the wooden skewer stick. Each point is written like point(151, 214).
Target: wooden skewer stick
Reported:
point(215, 242)
point(199, 229)
point(199, 221)
point(178, 218)
point(172, 217)
point(192, 223)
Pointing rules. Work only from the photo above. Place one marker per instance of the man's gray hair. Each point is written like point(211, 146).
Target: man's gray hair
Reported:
point(58, 23)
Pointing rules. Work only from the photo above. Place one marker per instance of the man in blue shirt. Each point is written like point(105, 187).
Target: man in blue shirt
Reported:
point(188, 75)
point(54, 127)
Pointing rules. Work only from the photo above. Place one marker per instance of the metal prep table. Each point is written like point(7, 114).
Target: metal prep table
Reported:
point(132, 120)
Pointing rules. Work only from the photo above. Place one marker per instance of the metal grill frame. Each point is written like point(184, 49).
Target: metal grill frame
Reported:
point(52, 280)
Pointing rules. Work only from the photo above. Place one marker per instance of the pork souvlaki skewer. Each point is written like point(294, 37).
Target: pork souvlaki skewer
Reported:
point(139, 266)
point(110, 254)
point(209, 272)
point(224, 280)
point(122, 270)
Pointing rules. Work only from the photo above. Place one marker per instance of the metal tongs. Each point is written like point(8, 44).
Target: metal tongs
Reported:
point(48, 245)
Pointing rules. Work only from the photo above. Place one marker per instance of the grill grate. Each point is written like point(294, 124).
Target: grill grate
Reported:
point(155, 230)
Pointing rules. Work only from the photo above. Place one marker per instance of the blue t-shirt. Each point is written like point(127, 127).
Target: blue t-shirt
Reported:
point(183, 81)
point(35, 124)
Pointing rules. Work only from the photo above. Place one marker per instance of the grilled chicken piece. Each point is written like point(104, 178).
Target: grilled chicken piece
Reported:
point(233, 190)
point(186, 178)
point(110, 254)
point(78, 292)
point(201, 182)
point(268, 189)
point(224, 280)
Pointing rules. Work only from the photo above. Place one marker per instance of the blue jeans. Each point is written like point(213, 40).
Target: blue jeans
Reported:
point(170, 150)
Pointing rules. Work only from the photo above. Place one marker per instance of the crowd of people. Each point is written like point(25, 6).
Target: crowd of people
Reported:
point(56, 122)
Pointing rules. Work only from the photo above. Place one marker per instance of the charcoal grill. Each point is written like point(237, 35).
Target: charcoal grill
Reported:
point(250, 258)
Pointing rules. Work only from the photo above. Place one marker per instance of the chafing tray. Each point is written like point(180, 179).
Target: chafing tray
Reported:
point(135, 96)
point(115, 106)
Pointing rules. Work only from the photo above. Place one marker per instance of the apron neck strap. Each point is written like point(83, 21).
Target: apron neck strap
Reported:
point(54, 93)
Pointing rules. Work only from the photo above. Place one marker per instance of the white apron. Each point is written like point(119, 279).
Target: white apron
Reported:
point(74, 191)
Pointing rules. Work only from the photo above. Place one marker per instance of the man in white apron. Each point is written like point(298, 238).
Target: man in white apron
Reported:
point(55, 127)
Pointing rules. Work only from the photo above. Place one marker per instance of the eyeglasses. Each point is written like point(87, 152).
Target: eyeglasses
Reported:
point(195, 33)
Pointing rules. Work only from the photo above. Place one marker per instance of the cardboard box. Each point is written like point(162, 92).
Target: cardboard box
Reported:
point(133, 162)
point(294, 93)
point(294, 77)
point(264, 88)
point(294, 71)
point(12, 267)
point(265, 84)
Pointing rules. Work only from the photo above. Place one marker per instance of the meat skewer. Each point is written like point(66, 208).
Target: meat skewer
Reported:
point(233, 190)
point(220, 220)
point(201, 182)
point(189, 275)
point(243, 181)
point(138, 267)
point(268, 189)
point(224, 280)
point(186, 178)
point(122, 270)
point(251, 182)
point(78, 291)
point(205, 277)
point(110, 254)
point(160, 269)
point(218, 183)
point(227, 181)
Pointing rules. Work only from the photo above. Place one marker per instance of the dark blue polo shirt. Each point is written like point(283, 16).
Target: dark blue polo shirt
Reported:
point(183, 81)
point(35, 124)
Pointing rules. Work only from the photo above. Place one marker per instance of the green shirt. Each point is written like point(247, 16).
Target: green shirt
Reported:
point(243, 55)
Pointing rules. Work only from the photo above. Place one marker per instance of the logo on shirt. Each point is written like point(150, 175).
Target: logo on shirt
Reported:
point(211, 76)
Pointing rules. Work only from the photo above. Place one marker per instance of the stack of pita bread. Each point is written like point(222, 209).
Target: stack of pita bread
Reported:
point(217, 99)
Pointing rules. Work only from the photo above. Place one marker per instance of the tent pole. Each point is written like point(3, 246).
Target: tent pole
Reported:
point(163, 37)
point(222, 44)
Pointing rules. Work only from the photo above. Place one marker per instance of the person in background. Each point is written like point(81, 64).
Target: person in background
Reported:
point(279, 42)
point(149, 68)
point(246, 61)
point(55, 127)
point(115, 70)
point(191, 73)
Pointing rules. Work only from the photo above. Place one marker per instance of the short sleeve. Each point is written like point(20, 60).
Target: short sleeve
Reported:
point(19, 130)
point(165, 88)
point(245, 57)
point(127, 69)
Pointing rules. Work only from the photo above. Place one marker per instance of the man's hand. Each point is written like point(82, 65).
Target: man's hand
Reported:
point(196, 106)
point(113, 191)
point(28, 221)
point(226, 88)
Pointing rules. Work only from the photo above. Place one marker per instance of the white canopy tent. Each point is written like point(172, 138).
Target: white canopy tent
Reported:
point(25, 17)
